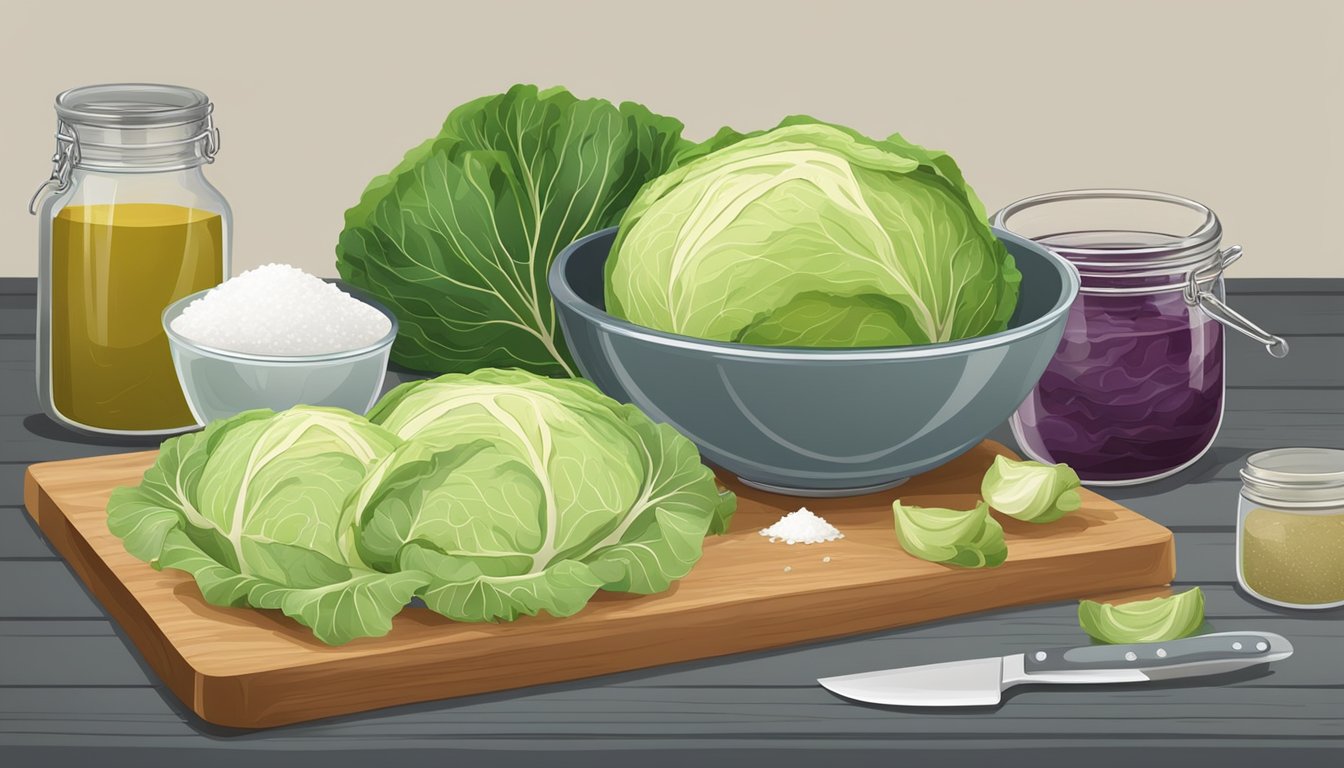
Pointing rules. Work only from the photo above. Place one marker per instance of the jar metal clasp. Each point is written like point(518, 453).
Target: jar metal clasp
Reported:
point(62, 165)
point(1198, 293)
point(208, 138)
point(67, 155)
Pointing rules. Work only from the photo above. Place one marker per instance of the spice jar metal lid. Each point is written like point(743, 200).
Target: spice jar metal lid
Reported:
point(1302, 477)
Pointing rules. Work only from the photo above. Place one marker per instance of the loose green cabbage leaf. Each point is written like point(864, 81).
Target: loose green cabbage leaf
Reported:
point(967, 538)
point(458, 238)
point(754, 237)
point(1145, 621)
point(519, 494)
point(253, 508)
point(1030, 490)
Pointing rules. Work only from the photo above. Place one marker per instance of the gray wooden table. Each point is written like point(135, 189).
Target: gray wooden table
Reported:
point(73, 690)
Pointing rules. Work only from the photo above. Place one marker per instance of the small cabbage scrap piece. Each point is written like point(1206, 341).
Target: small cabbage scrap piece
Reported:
point(252, 508)
point(519, 494)
point(1030, 490)
point(967, 538)
point(1145, 621)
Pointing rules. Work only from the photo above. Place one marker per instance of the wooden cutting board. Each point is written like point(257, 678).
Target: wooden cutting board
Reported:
point(250, 668)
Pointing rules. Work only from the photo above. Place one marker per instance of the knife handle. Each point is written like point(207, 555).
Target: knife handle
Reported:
point(1226, 650)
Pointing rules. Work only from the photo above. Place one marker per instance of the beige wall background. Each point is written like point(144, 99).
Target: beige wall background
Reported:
point(1235, 103)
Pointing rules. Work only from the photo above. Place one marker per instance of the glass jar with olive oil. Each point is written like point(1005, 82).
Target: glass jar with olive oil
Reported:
point(128, 225)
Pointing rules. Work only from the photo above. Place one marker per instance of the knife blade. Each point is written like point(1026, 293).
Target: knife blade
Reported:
point(981, 682)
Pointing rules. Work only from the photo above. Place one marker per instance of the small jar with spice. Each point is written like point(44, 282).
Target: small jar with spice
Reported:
point(1290, 527)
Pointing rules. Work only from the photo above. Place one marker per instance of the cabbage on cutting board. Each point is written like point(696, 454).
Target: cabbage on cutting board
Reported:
point(516, 493)
point(490, 495)
point(252, 508)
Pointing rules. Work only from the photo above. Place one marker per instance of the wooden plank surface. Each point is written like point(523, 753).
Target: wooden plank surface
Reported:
point(54, 711)
point(253, 668)
point(1051, 624)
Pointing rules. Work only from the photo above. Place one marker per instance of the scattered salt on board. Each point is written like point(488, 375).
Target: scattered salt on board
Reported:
point(802, 527)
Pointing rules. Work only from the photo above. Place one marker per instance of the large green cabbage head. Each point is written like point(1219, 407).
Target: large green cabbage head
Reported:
point(518, 494)
point(811, 235)
point(458, 238)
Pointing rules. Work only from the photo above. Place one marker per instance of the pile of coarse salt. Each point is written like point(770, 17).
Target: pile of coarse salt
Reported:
point(802, 527)
point(281, 310)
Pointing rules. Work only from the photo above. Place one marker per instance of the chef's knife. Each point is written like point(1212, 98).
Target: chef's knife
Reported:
point(981, 682)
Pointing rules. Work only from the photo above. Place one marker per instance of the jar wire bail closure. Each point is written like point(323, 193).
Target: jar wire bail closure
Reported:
point(63, 163)
point(1067, 221)
point(1198, 294)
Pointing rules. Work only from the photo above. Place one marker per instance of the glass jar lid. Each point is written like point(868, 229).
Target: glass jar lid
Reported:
point(124, 105)
point(1130, 232)
point(129, 128)
point(1137, 242)
point(136, 127)
point(1306, 477)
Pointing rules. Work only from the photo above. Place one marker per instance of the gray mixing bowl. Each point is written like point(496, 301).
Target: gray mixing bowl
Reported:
point(818, 422)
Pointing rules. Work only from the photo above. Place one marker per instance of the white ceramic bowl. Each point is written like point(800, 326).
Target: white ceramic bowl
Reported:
point(219, 383)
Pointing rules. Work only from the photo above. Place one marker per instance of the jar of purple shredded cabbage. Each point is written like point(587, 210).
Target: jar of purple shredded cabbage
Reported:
point(1135, 390)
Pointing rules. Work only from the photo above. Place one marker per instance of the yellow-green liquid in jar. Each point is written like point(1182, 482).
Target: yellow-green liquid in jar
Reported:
point(1294, 558)
point(114, 268)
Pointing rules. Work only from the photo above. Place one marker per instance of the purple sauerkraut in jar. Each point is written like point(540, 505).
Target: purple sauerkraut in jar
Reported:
point(1135, 389)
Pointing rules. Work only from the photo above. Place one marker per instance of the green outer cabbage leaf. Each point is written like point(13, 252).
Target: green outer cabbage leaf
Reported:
point(968, 538)
point(1145, 621)
point(519, 494)
point(726, 245)
point(458, 238)
point(1030, 490)
point(253, 508)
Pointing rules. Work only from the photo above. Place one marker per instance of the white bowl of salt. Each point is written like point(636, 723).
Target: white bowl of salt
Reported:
point(274, 337)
